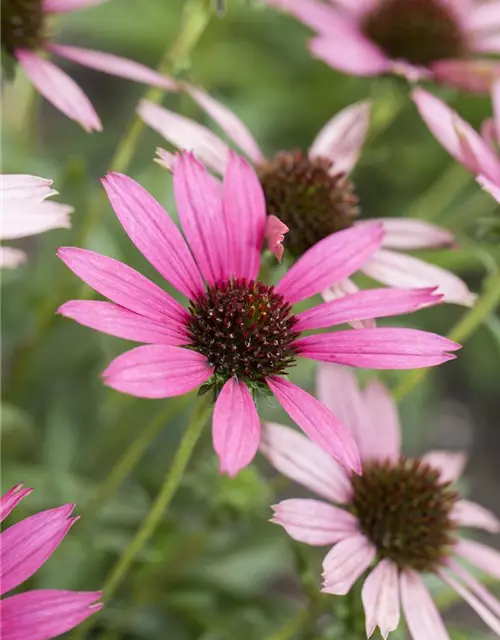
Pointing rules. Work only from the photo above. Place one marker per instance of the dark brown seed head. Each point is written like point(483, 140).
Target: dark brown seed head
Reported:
point(405, 510)
point(308, 196)
point(23, 25)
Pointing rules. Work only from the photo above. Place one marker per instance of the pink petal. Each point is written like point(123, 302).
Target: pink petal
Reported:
point(349, 51)
point(383, 438)
point(317, 422)
point(275, 235)
point(450, 463)
point(45, 614)
point(475, 76)
point(492, 188)
point(123, 285)
point(475, 586)
point(303, 461)
point(381, 348)
point(156, 236)
point(228, 122)
point(470, 514)
point(380, 595)
point(11, 258)
point(11, 499)
point(357, 8)
point(400, 270)
point(245, 214)
point(483, 557)
point(422, 616)
point(412, 233)
point(118, 321)
point(488, 133)
point(26, 218)
point(344, 564)
point(487, 42)
point(236, 427)
point(157, 371)
point(15, 186)
point(114, 65)
point(314, 522)
point(495, 96)
point(165, 159)
point(26, 545)
point(485, 15)
point(199, 205)
point(332, 259)
point(372, 303)
point(66, 6)
point(342, 138)
point(186, 134)
point(59, 89)
point(340, 290)
point(316, 15)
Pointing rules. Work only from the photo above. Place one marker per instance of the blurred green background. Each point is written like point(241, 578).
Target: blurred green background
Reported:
point(216, 569)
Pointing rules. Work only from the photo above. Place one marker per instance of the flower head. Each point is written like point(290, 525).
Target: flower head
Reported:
point(400, 518)
point(312, 195)
point(25, 547)
point(238, 336)
point(26, 37)
point(418, 39)
point(25, 212)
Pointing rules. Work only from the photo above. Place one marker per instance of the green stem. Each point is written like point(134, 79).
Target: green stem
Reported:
point(157, 511)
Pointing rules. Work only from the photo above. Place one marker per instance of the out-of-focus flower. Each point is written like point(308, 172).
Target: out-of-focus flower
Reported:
point(312, 195)
point(25, 212)
point(25, 546)
point(418, 39)
point(400, 517)
point(26, 37)
point(238, 336)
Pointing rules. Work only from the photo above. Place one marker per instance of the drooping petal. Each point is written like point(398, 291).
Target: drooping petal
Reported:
point(236, 427)
point(318, 422)
point(26, 545)
point(67, 6)
point(380, 348)
point(122, 323)
point(314, 522)
point(495, 98)
point(11, 258)
point(449, 463)
point(11, 499)
point(186, 134)
point(332, 259)
point(316, 15)
point(349, 51)
point(157, 236)
point(303, 461)
point(165, 159)
point(480, 555)
point(342, 138)
point(471, 514)
point(422, 616)
point(18, 186)
point(473, 76)
point(485, 15)
point(487, 42)
point(492, 188)
point(344, 564)
point(157, 371)
point(45, 614)
point(123, 285)
point(26, 218)
point(275, 235)
point(380, 596)
point(59, 89)
point(400, 270)
point(383, 439)
point(411, 233)
point(475, 586)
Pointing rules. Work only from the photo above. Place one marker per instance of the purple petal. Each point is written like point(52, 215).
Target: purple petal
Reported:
point(475, 76)
point(345, 563)
point(380, 595)
point(274, 233)
point(11, 499)
point(422, 616)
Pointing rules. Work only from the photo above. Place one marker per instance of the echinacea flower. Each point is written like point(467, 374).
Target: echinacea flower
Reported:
point(26, 37)
point(238, 336)
point(38, 614)
point(310, 195)
point(436, 39)
point(399, 519)
point(26, 212)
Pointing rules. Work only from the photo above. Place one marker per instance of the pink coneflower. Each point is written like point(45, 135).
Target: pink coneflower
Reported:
point(399, 519)
point(39, 614)
point(311, 195)
point(25, 212)
point(26, 37)
point(238, 336)
point(419, 39)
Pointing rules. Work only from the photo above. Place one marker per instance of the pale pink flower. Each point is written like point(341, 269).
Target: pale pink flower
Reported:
point(419, 39)
point(38, 614)
point(25, 36)
point(311, 194)
point(26, 212)
point(238, 336)
point(399, 520)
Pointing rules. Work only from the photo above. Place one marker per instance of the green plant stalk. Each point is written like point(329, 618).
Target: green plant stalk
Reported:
point(157, 511)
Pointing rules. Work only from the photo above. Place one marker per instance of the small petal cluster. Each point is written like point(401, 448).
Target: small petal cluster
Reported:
point(25, 546)
point(237, 335)
point(25, 37)
point(26, 212)
point(443, 40)
point(310, 196)
point(397, 520)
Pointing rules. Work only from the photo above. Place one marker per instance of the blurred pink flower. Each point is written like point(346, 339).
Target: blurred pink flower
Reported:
point(238, 336)
point(311, 194)
point(399, 519)
point(25, 37)
point(419, 39)
point(25, 213)
point(25, 546)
